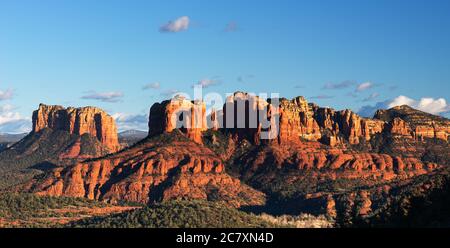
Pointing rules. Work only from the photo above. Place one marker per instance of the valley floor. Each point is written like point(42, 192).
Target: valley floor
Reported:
point(31, 211)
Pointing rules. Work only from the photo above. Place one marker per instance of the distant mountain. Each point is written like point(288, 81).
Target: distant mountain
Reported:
point(7, 140)
point(11, 138)
point(130, 137)
point(412, 116)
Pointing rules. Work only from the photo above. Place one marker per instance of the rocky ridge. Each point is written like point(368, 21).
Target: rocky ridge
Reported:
point(154, 170)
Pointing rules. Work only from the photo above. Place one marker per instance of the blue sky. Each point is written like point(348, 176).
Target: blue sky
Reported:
point(104, 53)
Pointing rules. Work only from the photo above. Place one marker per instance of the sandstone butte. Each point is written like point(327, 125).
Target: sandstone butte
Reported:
point(165, 116)
point(298, 119)
point(311, 138)
point(78, 121)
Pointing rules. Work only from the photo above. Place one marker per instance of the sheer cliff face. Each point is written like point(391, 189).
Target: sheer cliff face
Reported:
point(178, 113)
point(79, 121)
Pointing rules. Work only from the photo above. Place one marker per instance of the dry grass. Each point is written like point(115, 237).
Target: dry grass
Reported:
point(300, 221)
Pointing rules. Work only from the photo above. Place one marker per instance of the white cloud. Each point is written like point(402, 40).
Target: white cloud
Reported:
point(104, 96)
point(175, 26)
point(6, 94)
point(401, 100)
point(155, 85)
point(13, 122)
point(426, 104)
point(131, 122)
point(364, 86)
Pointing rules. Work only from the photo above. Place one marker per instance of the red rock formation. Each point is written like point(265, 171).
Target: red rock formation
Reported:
point(178, 113)
point(79, 121)
point(350, 125)
point(243, 115)
point(423, 125)
point(432, 130)
point(330, 164)
point(365, 206)
point(399, 127)
point(296, 121)
point(371, 127)
point(152, 171)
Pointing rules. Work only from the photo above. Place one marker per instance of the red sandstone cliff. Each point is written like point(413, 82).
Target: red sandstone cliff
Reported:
point(178, 113)
point(79, 121)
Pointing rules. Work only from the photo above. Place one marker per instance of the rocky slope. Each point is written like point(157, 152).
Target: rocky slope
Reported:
point(131, 137)
point(420, 125)
point(160, 168)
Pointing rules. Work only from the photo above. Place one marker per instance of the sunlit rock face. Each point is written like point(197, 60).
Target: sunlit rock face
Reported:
point(79, 121)
point(178, 113)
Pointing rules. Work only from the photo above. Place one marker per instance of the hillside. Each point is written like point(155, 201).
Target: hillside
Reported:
point(131, 137)
point(176, 214)
point(42, 151)
point(60, 136)
point(413, 116)
point(164, 167)
point(26, 210)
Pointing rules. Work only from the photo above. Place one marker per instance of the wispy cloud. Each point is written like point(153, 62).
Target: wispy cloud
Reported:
point(205, 83)
point(180, 24)
point(371, 97)
point(364, 86)
point(243, 78)
point(104, 96)
point(12, 122)
point(231, 27)
point(338, 86)
point(155, 86)
point(126, 121)
point(6, 94)
point(393, 87)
